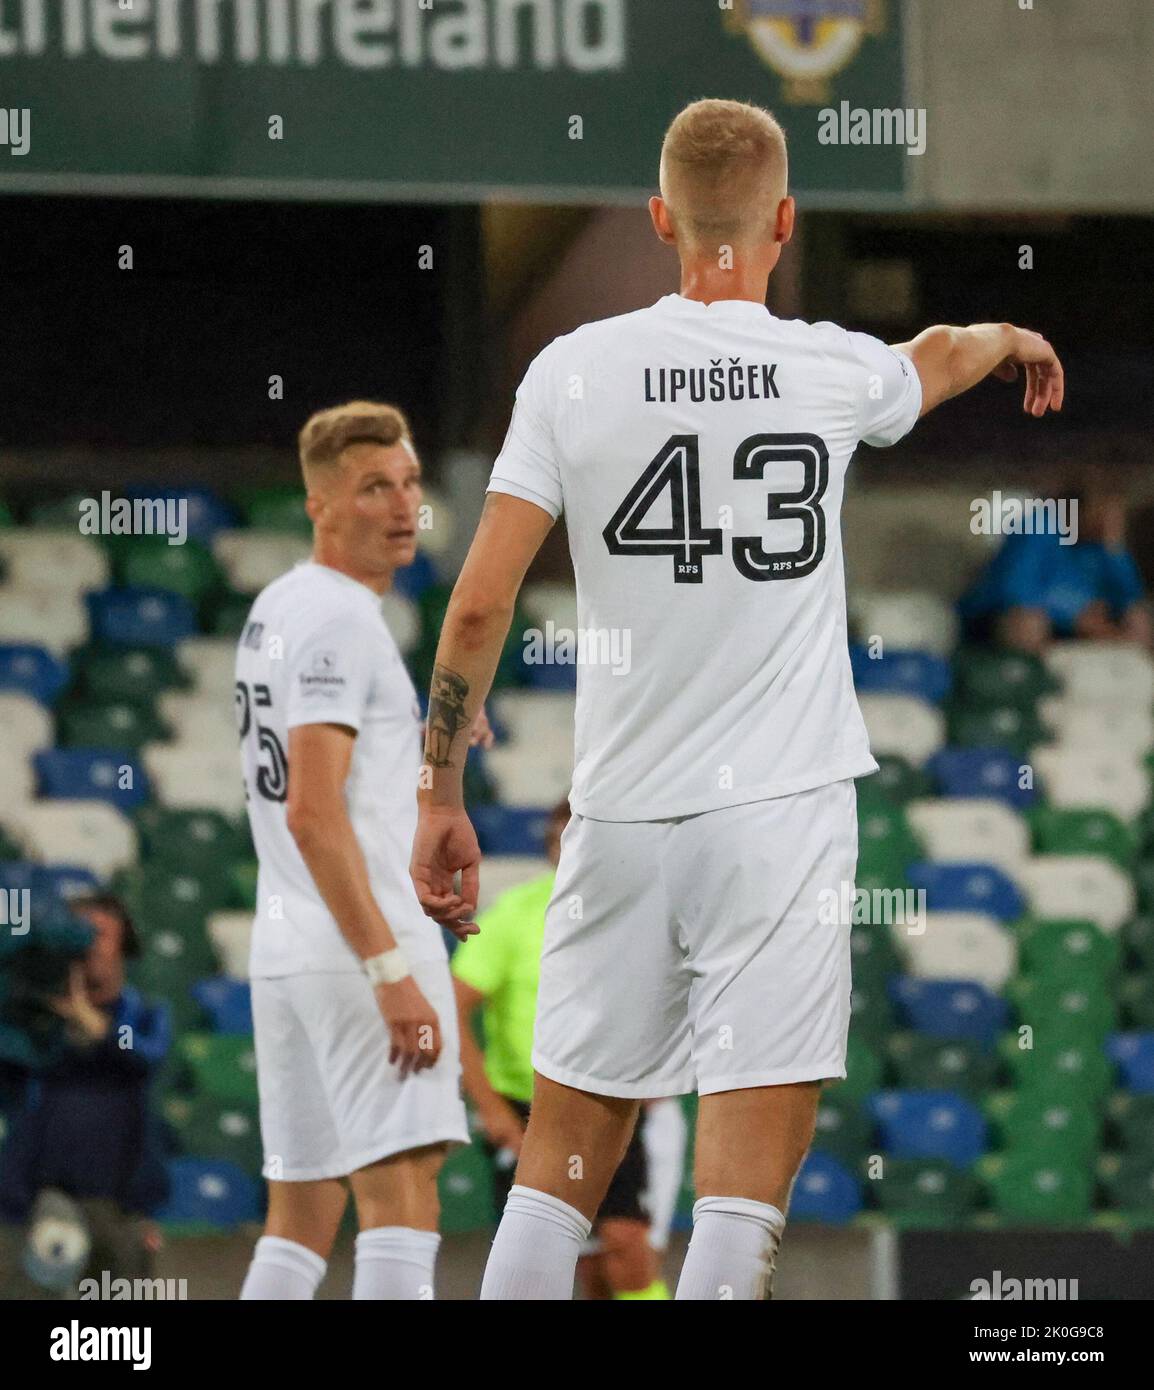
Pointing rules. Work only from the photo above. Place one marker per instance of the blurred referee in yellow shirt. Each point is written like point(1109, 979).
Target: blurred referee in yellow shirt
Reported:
point(497, 971)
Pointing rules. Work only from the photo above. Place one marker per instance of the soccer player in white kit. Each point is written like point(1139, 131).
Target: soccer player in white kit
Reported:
point(698, 448)
point(355, 1023)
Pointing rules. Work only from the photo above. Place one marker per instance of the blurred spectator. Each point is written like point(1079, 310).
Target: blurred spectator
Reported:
point(499, 971)
point(1040, 587)
point(83, 1149)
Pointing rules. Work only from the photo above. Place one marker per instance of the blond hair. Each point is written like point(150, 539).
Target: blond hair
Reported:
point(724, 170)
point(328, 433)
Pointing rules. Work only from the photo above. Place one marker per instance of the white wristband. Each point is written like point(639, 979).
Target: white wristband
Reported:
point(387, 968)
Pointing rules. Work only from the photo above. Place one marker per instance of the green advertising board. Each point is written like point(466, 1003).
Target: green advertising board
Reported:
point(456, 100)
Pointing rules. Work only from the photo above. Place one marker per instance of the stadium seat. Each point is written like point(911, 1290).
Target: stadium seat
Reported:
point(1134, 1055)
point(911, 620)
point(886, 845)
point(925, 1193)
point(844, 1128)
point(196, 777)
point(1132, 1117)
point(150, 562)
point(252, 559)
point(903, 724)
point(1063, 1067)
point(873, 955)
point(176, 899)
point(1121, 726)
point(990, 773)
point(228, 1004)
point(465, 1185)
point(864, 1070)
point(1128, 1180)
point(549, 602)
point(893, 672)
point(986, 678)
point(1065, 1010)
point(92, 774)
point(411, 581)
point(1100, 779)
point(205, 512)
point(89, 833)
point(511, 829)
point(923, 1063)
point(212, 661)
point(1103, 672)
point(199, 718)
point(1064, 831)
point(1033, 1122)
point(168, 967)
point(25, 725)
point(950, 1009)
point(1136, 996)
point(231, 937)
point(195, 840)
point(17, 777)
point(140, 617)
point(209, 1194)
point(930, 1124)
point(1001, 726)
point(871, 1012)
point(1039, 1190)
point(970, 830)
point(898, 779)
point(82, 723)
point(1077, 885)
point(277, 507)
point(208, 1128)
point(64, 880)
point(221, 1066)
point(532, 774)
point(1138, 936)
point(32, 671)
point(963, 887)
point(60, 560)
point(138, 674)
point(50, 618)
point(1069, 949)
point(825, 1191)
point(960, 946)
point(403, 619)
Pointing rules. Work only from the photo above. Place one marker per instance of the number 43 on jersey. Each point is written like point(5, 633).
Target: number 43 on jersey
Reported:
point(677, 467)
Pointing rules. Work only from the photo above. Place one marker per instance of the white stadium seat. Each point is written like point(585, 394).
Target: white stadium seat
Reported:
point(500, 872)
point(960, 946)
point(58, 561)
point(252, 559)
point(437, 538)
point(198, 719)
point(1108, 671)
point(403, 619)
point(536, 716)
point(197, 776)
point(551, 602)
point(231, 937)
point(963, 829)
point(25, 725)
point(903, 724)
point(1078, 885)
point(913, 620)
point(211, 662)
point(90, 833)
point(525, 775)
point(1093, 778)
point(17, 775)
point(51, 618)
point(1101, 724)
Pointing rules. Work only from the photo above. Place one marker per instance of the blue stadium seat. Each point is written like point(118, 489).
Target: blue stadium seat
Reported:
point(210, 1191)
point(129, 617)
point(929, 1124)
point(984, 772)
point(561, 676)
point(65, 880)
point(227, 1002)
point(950, 1008)
point(412, 581)
point(91, 774)
point(825, 1191)
point(511, 829)
point(968, 888)
point(206, 512)
point(901, 673)
point(1134, 1055)
point(32, 671)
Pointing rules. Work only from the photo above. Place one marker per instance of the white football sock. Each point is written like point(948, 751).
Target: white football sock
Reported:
point(395, 1262)
point(282, 1270)
point(534, 1254)
point(732, 1251)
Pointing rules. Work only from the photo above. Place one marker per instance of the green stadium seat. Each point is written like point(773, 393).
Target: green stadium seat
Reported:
point(900, 781)
point(1038, 1190)
point(84, 723)
point(1129, 1183)
point(1070, 949)
point(136, 674)
point(873, 954)
point(151, 563)
point(466, 1190)
point(280, 507)
point(871, 1013)
point(1037, 1123)
point(886, 844)
point(210, 1128)
point(190, 841)
point(1136, 996)
point(1067, 1009)
point(864, 1071)
point(168, 967)
point(844, 1128)
point(1066, 831)
point(1064, 1067)
point(1132, 1116)
point(165, 899)
point(242, 882)
point(988, 679)
point(221, 1067)
point(1138, 937)
point(925, 1193)
point(937, 1064)
point(1001, 726)
point(225, 614)
point(1144, 881)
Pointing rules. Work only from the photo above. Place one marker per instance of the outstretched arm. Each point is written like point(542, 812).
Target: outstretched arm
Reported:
point(952, 360)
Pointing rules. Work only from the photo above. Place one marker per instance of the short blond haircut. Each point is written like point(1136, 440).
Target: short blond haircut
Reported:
point(724, 170)
point(328, 433)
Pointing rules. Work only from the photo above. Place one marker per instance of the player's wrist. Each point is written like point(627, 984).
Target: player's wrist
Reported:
point(386, 967)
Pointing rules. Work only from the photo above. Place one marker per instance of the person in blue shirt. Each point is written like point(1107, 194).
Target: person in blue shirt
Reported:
point(84, 1124)
point(1040, 587)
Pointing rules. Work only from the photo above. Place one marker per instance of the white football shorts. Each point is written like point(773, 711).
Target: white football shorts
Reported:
point(701, 953)
point(330, 1102)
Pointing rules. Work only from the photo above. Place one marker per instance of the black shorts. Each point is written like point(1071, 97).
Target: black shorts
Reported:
point(626, 1197)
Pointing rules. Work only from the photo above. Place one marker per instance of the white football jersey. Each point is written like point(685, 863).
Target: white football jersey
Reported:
point(315, 650)
point(699, 454)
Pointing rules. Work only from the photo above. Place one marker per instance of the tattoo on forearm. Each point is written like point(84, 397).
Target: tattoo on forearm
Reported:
point(446, 715)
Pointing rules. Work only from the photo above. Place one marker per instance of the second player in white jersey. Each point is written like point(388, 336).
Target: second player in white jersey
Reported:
point(699, 453)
